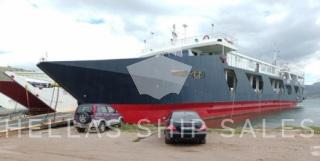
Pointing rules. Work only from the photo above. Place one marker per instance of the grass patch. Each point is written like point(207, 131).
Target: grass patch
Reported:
point(8, 134)
point(316, 129)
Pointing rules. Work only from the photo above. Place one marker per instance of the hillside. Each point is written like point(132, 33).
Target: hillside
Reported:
point(8, 68)
point(312, 91)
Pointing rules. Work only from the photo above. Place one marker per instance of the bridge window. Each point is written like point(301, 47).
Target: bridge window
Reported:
point(185, 52)
point(177, 53)
point(231, 79)
point(182, 53)
point(256, 82)
point(168, 54)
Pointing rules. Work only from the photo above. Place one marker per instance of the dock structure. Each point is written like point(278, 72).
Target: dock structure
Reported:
point(21, 95)
point(35, 91)
point(36, 122)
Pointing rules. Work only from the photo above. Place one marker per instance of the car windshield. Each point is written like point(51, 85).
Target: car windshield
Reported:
point(84, 108)
point(185, 116)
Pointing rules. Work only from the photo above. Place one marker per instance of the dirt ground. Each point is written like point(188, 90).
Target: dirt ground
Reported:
point(128, 148)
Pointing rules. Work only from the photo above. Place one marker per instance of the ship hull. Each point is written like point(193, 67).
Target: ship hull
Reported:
point(109, 81)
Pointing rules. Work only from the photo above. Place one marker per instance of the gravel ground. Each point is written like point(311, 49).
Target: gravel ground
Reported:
point(128, 148)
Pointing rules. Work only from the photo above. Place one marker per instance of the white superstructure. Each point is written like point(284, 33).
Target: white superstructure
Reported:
point(220, 44)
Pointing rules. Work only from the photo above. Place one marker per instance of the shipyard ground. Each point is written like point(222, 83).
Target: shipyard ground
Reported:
point(128, 148)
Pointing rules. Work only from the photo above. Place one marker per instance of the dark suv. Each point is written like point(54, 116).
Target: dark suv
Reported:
point(185, 125)
point(96, 117)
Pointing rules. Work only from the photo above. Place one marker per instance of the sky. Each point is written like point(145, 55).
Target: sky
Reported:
point(108, 29)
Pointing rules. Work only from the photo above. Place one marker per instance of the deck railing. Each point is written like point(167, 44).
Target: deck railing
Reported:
point(158, 45)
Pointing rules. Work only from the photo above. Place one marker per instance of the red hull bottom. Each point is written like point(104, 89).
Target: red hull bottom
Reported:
point(212, 113)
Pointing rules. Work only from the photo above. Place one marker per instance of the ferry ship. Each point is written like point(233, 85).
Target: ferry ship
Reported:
point(204, 73)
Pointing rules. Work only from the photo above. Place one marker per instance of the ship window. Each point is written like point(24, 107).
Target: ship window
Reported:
point(168, 54)
point(231, 79)
point(194, 53)
point(256, 82)
point(185, 53)
point(181, 53)
point(289, 89)
point(296, 89)
point(277, 85)
point(257, 67)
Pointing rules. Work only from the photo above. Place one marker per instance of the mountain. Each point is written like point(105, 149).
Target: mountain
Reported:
point(312, 91)
point(9, 68)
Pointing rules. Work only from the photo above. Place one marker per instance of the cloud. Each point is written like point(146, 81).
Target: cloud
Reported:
point(94, 21)
point(119, 7)
point(261, 28)
point(98, 29)
point(3, 52)
point(31, 33)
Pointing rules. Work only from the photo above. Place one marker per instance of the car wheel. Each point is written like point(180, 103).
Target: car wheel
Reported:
point(81, 130)
point(168, 141)
point(120, 123)
point(202, 141)
point(102, 127)
point(83, 118)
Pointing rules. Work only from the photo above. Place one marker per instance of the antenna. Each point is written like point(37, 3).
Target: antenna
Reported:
point(275, 57)
point(151, 41)
point(152, 34)
point(212, 26)
point(145, 44)
point(275, 54)
point(185, 30)
point(174, 34)
point(45, 58)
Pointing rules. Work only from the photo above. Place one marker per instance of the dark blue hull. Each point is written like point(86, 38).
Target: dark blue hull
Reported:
point(108, 81)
